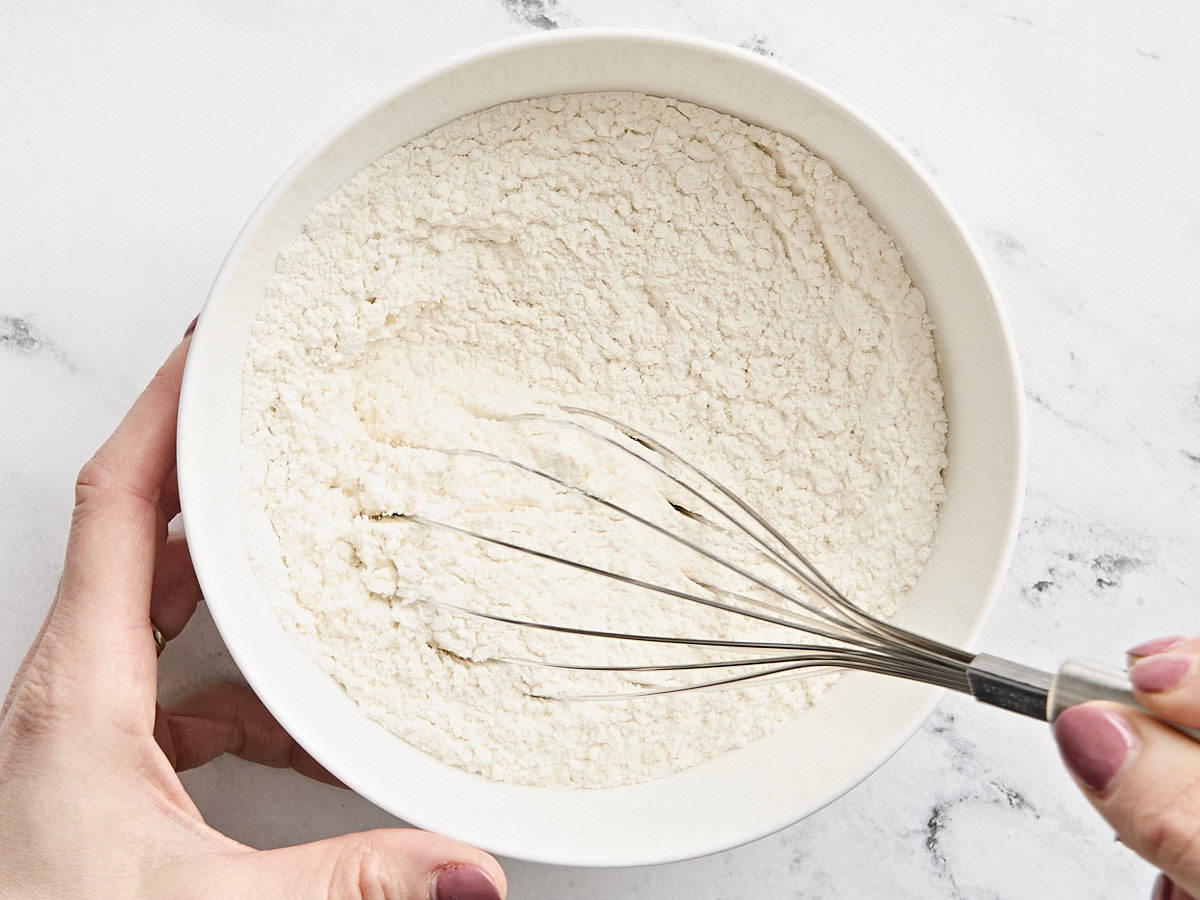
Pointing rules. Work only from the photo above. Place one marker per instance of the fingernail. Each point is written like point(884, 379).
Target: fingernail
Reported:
point(1161, 672)
point(191, 327)
point(1158, 645)
point(1094, 743)
point(464, 882)
point(1163, 888)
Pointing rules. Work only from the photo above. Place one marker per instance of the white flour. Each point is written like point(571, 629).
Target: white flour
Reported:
point(711, 283)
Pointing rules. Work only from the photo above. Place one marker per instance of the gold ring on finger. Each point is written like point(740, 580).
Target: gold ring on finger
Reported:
point(160, 642)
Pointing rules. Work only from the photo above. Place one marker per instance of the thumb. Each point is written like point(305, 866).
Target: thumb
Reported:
point(386, 864)
point(1144, 778)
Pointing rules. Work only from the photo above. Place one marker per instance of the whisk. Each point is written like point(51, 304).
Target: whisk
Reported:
point(849, 638)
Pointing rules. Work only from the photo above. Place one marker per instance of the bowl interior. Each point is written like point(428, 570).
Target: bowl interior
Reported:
point(742, 795)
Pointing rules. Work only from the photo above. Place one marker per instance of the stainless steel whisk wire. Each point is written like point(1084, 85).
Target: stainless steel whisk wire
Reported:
point(862, 642)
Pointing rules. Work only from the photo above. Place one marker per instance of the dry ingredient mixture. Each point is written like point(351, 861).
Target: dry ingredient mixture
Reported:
point(708, 281)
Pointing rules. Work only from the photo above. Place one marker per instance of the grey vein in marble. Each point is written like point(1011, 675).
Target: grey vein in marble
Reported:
point(979, 785)
point(933, 828)
point(1038, 400)
point(1111, 566)
point(1014, 798)
point(918, 156)
point(760, 44)
point(1013, 18)
point(1075, 573)
point(17, 334)
point(1010, 250)
point(538, 13)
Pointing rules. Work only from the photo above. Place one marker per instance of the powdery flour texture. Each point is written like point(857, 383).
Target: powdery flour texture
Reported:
point(709, 282)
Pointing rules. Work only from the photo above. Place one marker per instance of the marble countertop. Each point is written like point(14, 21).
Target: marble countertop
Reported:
point(138, 136)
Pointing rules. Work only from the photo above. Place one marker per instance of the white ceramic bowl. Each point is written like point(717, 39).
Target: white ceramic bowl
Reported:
point(742, 795)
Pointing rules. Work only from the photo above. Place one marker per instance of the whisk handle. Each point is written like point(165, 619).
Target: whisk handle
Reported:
point(1009, 685)
point(1081, 680)
point(1039, 694)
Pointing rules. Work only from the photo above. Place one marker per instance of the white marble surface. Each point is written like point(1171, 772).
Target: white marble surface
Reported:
point(137, 136)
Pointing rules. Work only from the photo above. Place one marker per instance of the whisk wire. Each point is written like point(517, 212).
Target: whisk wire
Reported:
point(866, 633)
point(874, 645)
point(810, 576)
point(823, 590)
point(616, 576)
point(804, 669)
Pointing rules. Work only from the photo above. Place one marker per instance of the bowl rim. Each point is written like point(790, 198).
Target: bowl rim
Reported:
point(192, 388)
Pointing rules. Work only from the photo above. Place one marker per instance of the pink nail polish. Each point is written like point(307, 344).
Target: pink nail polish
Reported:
point(1163, 887)
point(464, 882)
point(191, 327)
point(1158, 645)
point(1161, 672)
point(1094, 743)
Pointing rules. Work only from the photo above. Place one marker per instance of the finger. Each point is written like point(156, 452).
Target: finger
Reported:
point(1167, 681)
point(1150, 647)
point(174, 595)
point(104, 597)
point(176, 591)
point(399, 863)
point(1166, 889)
point(1144, 778)
point(22, 669)
point(229, 718)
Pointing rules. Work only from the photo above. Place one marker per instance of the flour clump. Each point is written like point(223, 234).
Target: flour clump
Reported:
point(712, 283)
